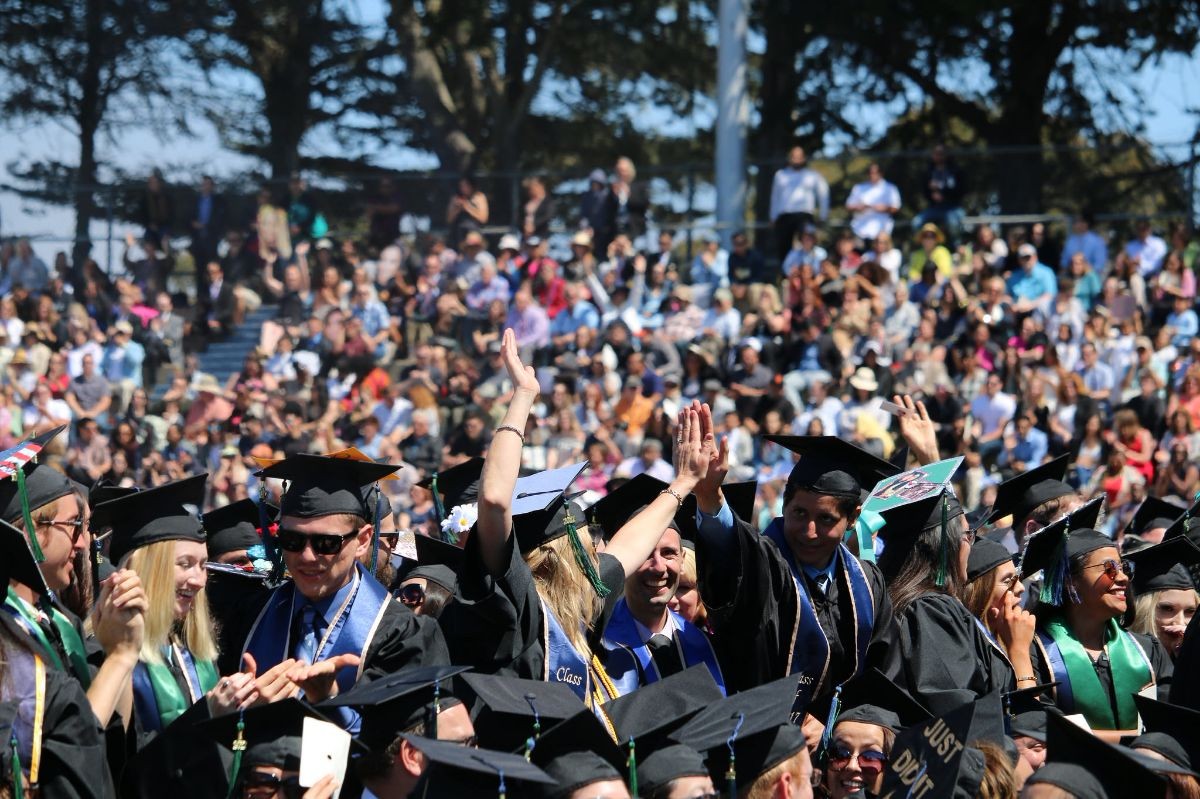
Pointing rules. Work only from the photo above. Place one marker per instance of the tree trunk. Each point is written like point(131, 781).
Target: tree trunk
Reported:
point(780, 85)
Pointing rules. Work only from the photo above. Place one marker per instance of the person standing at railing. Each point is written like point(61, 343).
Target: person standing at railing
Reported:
point(799, 196)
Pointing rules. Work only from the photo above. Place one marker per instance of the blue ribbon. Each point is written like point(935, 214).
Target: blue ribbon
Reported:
point(865, 526)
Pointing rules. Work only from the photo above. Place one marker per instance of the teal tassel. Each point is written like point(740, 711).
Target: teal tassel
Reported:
point(581, 556)
point(944, 547)
point(27, 515)
point(18, 781)
point(531, 741)
point(632, 763)
point(1055, 576)
point(437, 498)
point(835, 707)
point(239, 747)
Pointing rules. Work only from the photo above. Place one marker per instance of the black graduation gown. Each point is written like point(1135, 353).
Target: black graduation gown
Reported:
point(944, 658)
point(1186, 692)
point(402, 639)
point(496, 624)
point(753, 605)
point(1160, 664)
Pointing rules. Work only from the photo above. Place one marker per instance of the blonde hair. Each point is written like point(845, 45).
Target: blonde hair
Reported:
point(999, 775)
point(763, 786)
point(687, 573)
point(564, 587)
point(1144, 613)
point(155, 565)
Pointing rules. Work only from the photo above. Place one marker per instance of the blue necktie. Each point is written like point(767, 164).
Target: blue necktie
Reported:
point(306, 634)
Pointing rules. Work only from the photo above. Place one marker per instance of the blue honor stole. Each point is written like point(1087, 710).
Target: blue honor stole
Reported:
point(810, 644)
point(622, 633)
point(350, 631)
point(563, 662)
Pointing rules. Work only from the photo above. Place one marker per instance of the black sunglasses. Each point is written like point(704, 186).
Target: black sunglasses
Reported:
point(321, 543)
point(263, 785)
point(412, 595)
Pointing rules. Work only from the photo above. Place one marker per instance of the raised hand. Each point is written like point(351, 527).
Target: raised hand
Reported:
point(708, 490)
point(322, 789)
point(118, 618)
point(1014, 626)
point(693, 448)
point(318, 681)
point(523, 377)
point(274, 684)
point(235, 692)
point(917, 429)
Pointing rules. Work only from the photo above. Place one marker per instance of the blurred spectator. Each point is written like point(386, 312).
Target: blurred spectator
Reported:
point(799, 197)
point(208, 221)
point(157, 211)
point(539, 209)
point(746, 264)
point(1145, 251)
point(1085, 242)
point(593, 210)
point(90, 394)
point(649, 461)
point(384, 207)
point(301, 210)
point(1033, 285)
point(943, 187)
point(26, 269)
point(467, 211)
point(992, 411)
point(874, 203)
point(629, 201)
point(932, 251)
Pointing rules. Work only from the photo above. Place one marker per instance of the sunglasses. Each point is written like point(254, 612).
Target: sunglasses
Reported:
point(1113, 567)
point(412, 595)
point(871, 761)
point(264, 786)
point(321, 543)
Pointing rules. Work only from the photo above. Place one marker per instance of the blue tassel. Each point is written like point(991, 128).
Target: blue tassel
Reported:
point(835, 707)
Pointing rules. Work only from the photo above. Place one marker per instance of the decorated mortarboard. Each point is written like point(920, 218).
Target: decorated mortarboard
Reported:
point(1025, 712)
point(168, 512)
point(985, 555)
point(1176, 722)
point(901, 507)
point(1185, 524)
point(542, 512)
point(467, 773)
point(746, 734)
point(577, 752)
point(396, 703)
point(1153, 514)
point(325, 485)
point(1020, 495)
point(830, 465)
point(513, 713)
point(458, 485)
point(1089, 768)
point(235, 527)
point(436, 561)
point(1050, 549)
point(26, 485)
point(1164, 566)
point(926, 760)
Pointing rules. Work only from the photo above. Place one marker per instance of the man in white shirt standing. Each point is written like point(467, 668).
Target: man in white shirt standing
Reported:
point(992, 411)
point(798, 195)
point(873, 204)
point(1146, 251)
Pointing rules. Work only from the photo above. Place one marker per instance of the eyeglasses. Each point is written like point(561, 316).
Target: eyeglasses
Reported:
point(1010, 582)
point(321, 543)
point(74, 527)
point(470, 742)
point(263, 786)
point(412, 595)
point(1112, 567)
point(390, 538)
point(870, 761)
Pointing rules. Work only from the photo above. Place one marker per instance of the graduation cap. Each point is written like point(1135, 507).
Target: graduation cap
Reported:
point(168, 512)
point(234, 527)
point(1026, 713)
point(513, 713)
point(32, 485)
point(1051, 549)
point(740, 498)
point(396, 703)
point(830, 465)
point(436, 561)
point(904, 524)
point(578, 752)
point(1178, 724)
point(926, 760)
point(104, 491)
point(1020, 495)
point(1089, 768)
point(1165, 566)
point(1183, 523)
point(1153, 514)
point(458, 485)
point(652, 713)
point(662, 766)
point(613, 510)
point(985, 555)
point(872, 698)
point(749, 732)
point(466, 773)
point(542, 512)
point(17, 561)
point(322, 485)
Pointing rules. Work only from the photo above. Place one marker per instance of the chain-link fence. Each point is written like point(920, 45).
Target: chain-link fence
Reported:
point(1003, 186)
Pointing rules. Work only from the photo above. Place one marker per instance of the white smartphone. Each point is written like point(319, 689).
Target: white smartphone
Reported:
point(893, 408)
point(324, 749)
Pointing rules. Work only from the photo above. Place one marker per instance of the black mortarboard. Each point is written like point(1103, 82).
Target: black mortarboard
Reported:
point(1112, 771)
point(539, 506)
point(830, 465)
point(926, 760)
point(756, 723)
point(234, 527)
point(272, 732)
point(1020, 495)
point(656, 770)
point(872, 698)
point(1164, 566)
point(511, 711)
point(17, 561)
point(396, 703)
point(104, 491)
point(903, 523)
point(899, 458)
point(653, 712)
point(1026, 711)
point(1050, 549)
point(167, 512)
point(578, 752)
point(43, 485)
point(985, 556)
point(466, 773)
point(436, 561)
point(457, 485)
point(1152, 514)
point(740, 498)
point(613, 510)
point(321, 485)
point(1181, 724)
point(1184, 523)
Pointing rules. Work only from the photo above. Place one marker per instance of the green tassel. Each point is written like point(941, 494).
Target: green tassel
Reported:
point(581, 556)
point(239, 746)
point(632, 763)
point(944, 547)
point(1054, 576)
point(38, 555)
point(375, 533)
point(18, 781)
point(437, 498)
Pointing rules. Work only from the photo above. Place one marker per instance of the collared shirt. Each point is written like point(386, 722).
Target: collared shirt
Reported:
point(823, 578)
point(669, 629)
point(327, 606)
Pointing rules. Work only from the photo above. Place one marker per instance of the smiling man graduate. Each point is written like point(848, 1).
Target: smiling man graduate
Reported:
point(332, 614)
point(795, 599)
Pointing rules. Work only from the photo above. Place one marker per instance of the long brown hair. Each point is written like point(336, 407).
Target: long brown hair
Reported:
point(977, 596)
point(915, 570)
